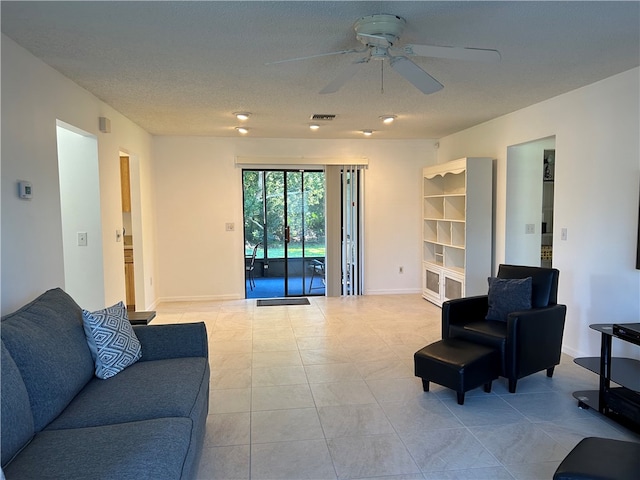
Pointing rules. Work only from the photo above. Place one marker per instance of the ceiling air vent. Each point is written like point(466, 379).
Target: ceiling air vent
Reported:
point(322, 117)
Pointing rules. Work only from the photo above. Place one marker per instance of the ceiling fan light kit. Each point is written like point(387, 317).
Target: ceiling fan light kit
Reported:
point(379, 34)
point(381, 30)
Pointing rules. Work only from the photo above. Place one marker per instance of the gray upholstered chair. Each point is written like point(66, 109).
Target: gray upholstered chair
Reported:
point(528, 340)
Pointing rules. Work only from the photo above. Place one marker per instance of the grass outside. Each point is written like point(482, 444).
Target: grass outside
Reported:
point(295, 251)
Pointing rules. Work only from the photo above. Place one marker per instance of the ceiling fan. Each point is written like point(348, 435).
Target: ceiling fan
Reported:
point(379, 34)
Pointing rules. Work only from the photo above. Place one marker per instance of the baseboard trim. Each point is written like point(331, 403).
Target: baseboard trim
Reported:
point(411, 291)
point(199, 298)
point(572, 352)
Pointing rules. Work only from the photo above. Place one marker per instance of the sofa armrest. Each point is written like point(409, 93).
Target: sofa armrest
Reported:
point(534, 339)
point(463, 310)
point(172, 341)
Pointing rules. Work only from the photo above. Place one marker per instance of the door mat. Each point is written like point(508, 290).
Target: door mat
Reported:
point(270, 302)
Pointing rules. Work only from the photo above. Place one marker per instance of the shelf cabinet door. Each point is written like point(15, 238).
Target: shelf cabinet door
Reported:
point(440, 284)
point(431, 284)
point(453, 286)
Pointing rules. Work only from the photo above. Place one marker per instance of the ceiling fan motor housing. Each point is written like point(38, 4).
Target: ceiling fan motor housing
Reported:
point(382, 25)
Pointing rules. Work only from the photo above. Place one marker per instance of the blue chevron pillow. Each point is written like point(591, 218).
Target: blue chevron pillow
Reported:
point(112, 341)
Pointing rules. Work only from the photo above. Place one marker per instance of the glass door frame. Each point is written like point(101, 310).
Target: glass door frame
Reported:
point(291, 265)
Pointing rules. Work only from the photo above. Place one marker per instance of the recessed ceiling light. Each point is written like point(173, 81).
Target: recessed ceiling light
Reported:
point(314, 126)
point(242, 115)
point(367, 133)
point(242, 130)
point(387, 118)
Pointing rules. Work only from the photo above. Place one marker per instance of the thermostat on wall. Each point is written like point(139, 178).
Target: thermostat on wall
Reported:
point(24, 189)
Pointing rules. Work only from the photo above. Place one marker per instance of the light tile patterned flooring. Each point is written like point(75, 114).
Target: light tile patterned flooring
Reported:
point(327, 391)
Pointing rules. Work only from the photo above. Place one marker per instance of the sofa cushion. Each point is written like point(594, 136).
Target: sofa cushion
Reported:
point(128, 451)
point(162, 388)
point(46, 340)
point(111, 339)
point(508, 295)
point(17, 420)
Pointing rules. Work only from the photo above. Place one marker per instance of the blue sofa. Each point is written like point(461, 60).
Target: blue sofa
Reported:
point(59, 421)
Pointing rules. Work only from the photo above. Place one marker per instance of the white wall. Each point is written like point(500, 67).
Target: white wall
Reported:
point(199, 189)
point(597, 176)
point(34, 97)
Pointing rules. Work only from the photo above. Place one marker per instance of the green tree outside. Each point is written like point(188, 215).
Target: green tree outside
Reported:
point(264, 204)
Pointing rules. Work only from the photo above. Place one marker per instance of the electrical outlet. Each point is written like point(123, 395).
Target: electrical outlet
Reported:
point(563, 234)
point(82, 239)
point(230, 227)
point(530, 228)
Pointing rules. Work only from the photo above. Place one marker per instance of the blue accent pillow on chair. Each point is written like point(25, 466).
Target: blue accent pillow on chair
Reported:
point(112, 341)
point(508, 295)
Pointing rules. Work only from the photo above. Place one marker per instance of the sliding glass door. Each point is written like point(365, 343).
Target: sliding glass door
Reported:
point(284, 216)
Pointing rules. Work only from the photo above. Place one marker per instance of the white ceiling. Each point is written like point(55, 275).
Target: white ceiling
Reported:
point(182, 68)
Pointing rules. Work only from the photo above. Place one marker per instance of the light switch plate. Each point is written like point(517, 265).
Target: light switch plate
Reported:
point(24, 190)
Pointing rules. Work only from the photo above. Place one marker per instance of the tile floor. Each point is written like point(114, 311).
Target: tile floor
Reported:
point(327, 391)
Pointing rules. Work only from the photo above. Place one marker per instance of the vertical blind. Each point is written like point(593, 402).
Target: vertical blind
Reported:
point(352, 192)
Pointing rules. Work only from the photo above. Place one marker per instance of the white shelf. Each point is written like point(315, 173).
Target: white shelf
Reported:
point(434, 207)
point(430, 230)
point(457, 230)
point(458, 234)
point(454, 207)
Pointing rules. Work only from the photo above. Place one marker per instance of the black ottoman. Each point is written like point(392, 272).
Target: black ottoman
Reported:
point(458, 365)
point(601, 459)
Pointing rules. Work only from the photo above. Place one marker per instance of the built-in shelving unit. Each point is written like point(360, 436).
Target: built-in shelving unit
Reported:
point(457, 228)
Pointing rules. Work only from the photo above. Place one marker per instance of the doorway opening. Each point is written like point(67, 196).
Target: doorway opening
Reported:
point(79, 181)
point(127, 232)
point(284, 232)
point(530, 203)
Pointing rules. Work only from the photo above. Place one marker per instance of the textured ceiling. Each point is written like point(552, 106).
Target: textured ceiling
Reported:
point(182, 68)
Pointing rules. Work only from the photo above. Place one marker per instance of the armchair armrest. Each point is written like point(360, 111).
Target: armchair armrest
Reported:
point(534, 339)
point(463, 310)
point(172, 341)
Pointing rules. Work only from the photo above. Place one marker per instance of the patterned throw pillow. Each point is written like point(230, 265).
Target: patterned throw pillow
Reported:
point(508, 295)
point(112, 341)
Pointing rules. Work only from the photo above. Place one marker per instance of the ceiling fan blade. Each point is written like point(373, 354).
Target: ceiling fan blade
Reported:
point(414, 74)
point(454, 53)
point(341, 52)
point(346, 75)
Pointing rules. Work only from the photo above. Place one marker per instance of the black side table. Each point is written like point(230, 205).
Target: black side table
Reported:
point(620, 403)
point(141, 318)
